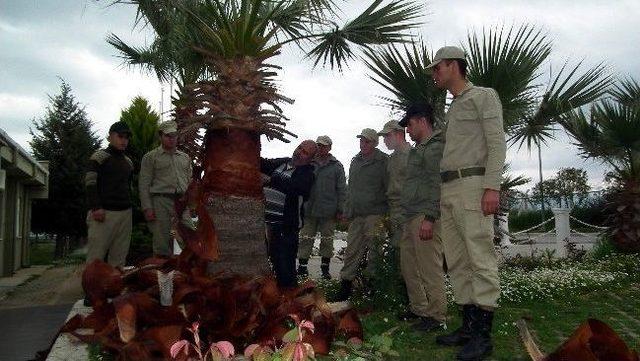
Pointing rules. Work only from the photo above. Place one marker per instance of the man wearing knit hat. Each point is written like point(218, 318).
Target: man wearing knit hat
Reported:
point(366, 206)
point(324, 207)
point(471, 167)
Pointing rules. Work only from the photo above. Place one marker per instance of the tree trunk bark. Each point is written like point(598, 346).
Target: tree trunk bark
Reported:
point(236, 201)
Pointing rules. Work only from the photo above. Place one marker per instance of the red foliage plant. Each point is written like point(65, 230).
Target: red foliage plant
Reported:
point(129, 321)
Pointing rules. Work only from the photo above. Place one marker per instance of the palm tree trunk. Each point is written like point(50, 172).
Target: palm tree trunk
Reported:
point(236, 201)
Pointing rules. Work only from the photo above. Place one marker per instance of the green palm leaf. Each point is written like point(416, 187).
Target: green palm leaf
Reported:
point(377, 25)
point(566, 94)
point(627, 92)
point(402, 72)
point(508, 62)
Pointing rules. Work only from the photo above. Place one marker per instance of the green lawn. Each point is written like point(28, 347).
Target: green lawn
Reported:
point(42, 254)
point(551, 322)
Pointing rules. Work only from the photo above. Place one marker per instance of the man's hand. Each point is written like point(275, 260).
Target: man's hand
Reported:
point(490, 202)
point(149, 215)
point(426, 230)
point(98, 215)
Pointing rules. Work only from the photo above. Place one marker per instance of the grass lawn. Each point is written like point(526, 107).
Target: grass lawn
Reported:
point(42, 254)
point(551, 322)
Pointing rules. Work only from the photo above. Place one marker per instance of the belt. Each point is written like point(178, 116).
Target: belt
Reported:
point(450, 175)
point(167, 195)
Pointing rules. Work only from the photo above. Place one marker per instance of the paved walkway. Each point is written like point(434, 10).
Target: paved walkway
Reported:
point(28, 330)
point(35, 303)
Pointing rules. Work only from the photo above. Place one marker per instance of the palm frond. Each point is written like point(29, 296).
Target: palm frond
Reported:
point(531, 131)
point(565, 93)
point(627, 92)
point(149, 58)
point(611, 133)
point(402, 72)
point(377, 25)
point(508, 62)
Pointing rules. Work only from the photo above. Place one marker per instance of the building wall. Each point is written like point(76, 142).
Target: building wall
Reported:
point(25, 179)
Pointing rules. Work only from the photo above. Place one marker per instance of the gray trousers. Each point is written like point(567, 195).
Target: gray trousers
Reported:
point(110, 238)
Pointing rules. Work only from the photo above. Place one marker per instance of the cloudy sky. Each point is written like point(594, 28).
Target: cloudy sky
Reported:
point(44, 40)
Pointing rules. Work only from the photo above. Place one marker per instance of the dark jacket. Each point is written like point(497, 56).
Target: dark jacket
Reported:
point(108, 180)
point(296, 188)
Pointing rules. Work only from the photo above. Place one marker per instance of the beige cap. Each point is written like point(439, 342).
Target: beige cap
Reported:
point(389, 127)
point(168, 126)
point(324, 140)
point(369, 134)
point(447, 52)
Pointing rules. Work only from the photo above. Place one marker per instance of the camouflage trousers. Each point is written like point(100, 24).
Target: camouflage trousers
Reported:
point(313, 225)
point(365, 239)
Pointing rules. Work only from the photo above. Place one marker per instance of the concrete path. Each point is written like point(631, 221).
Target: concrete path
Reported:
point(35, 304)
point(28, 330)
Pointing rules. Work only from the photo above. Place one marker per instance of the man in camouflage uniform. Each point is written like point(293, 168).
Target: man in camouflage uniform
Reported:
point(421, 246)
point(366, 205)
point(164, 176)
point(471, 167)
point(108, 186)
point(324, 207)
point(394, 138)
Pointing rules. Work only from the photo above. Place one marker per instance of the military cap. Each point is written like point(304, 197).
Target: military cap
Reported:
point(369, 134)
point(324, 140)
point(168, 127)
point(421, 110)
point(389, 127)
point(120, 128)
point(447, 52)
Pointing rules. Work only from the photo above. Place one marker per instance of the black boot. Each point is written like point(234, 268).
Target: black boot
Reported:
point(462, 335)
point(302, 267)
point(345, 291)
point(479, 346)
point(324, 267)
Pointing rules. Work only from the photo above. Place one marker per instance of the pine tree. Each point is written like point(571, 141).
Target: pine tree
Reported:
point(64, 138)
point(143, 123)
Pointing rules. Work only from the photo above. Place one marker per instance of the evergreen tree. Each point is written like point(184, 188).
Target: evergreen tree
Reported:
point(143, 123)
point(64, 138)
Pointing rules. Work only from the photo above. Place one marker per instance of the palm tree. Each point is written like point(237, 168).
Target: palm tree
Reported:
point(169, 56)
point(610, 132)
point(238, 100)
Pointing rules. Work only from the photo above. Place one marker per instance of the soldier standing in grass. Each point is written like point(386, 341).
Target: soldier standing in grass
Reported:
point(324, 207)
point(394, 138)
point(471, 167)
point(366, 205)
point(421, 258)
point(108, 185)
point(164, 176)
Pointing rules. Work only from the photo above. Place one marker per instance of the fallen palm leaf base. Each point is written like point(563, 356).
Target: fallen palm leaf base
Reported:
point(129, 321)
point(592, 341)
